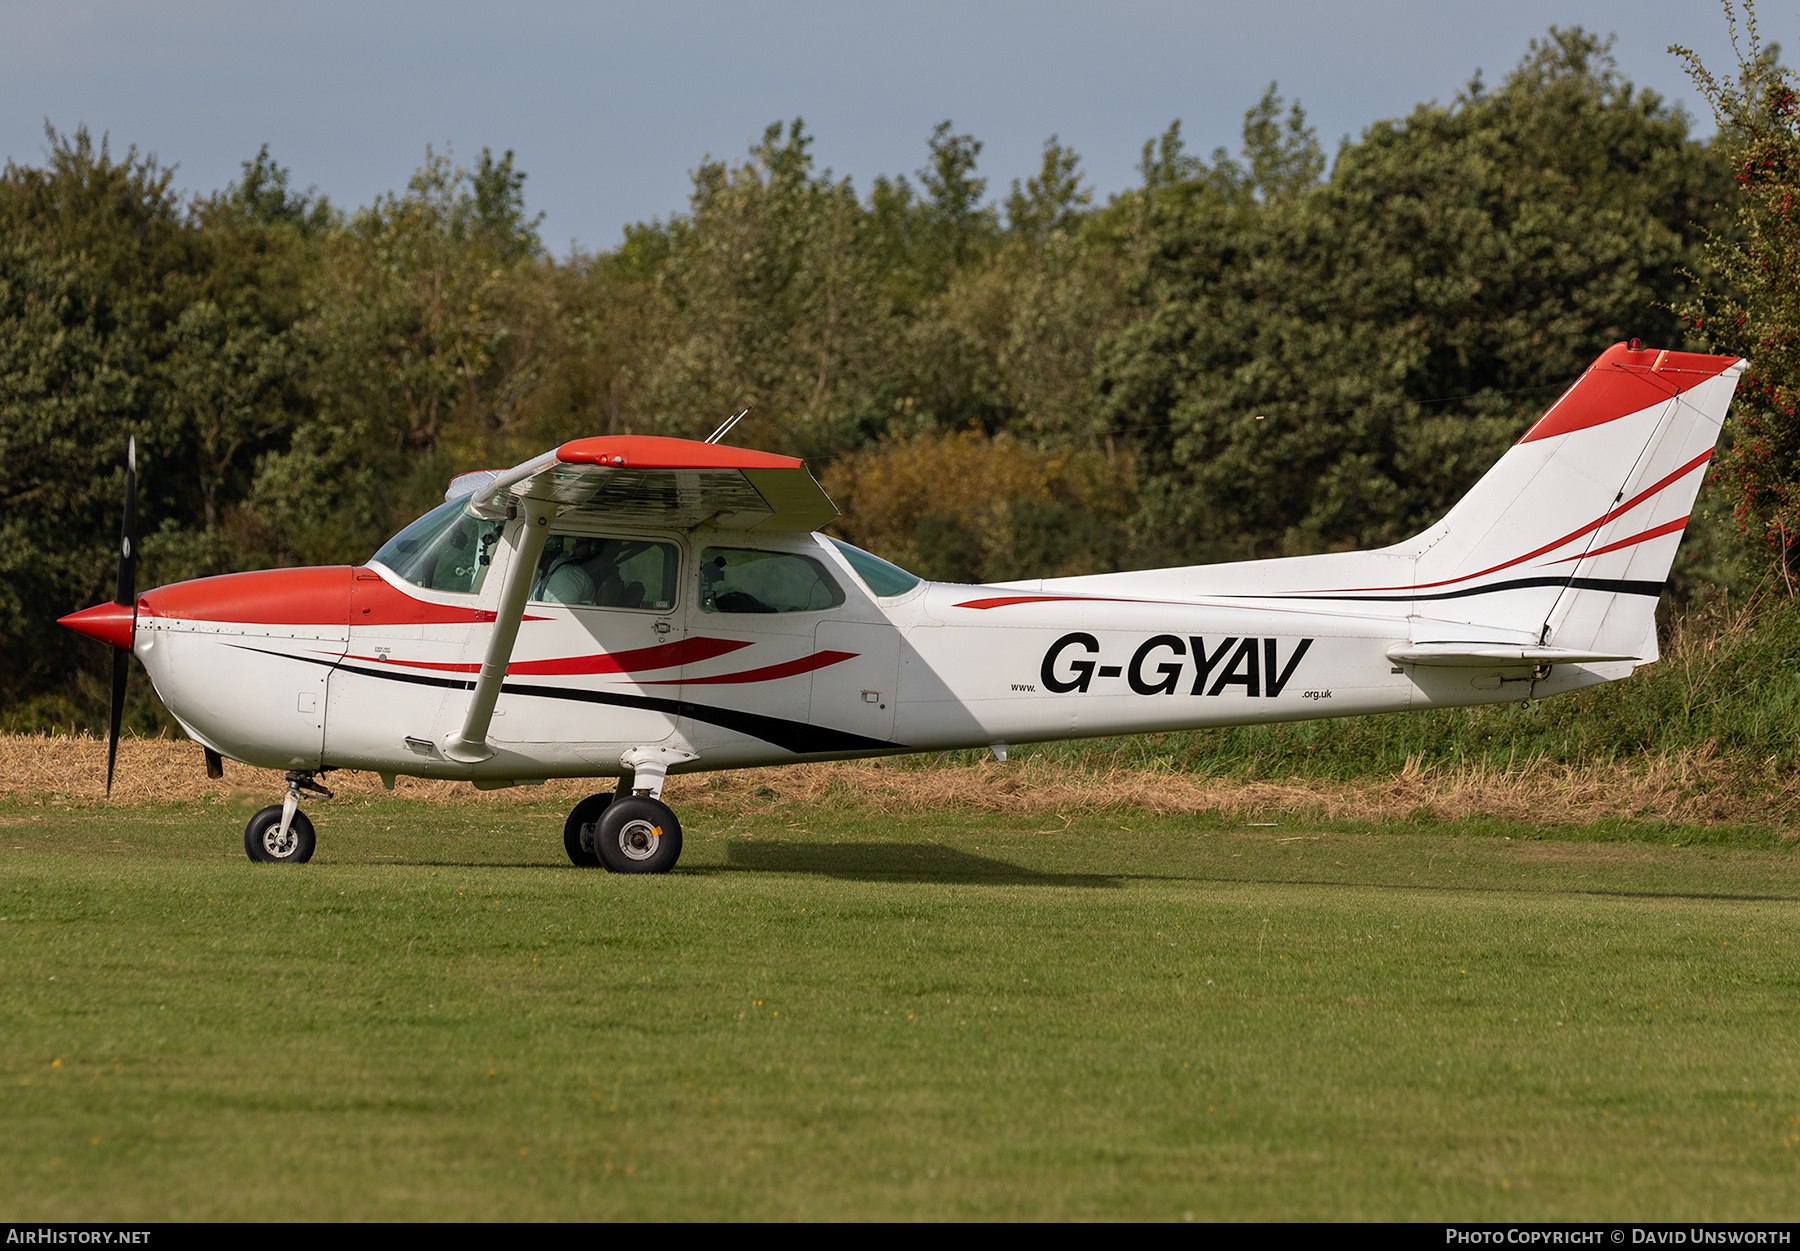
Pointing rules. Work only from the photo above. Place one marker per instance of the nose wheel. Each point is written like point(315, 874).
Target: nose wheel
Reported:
point(267, 843)
point(281, 833)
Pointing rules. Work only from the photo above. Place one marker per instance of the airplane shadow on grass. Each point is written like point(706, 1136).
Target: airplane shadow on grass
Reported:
point(930, 862)
point(891, 862)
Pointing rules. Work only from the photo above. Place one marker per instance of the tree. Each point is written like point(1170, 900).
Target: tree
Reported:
point(423, 358)
point(1051, 201)
point(771, 300)
point(923, 239)
point(87, 246)
point(962, 507)
point(1021, 329)
point(1332, 366)
point(1751, 304)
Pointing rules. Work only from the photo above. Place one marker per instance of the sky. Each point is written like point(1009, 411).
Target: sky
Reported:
point(608, 107)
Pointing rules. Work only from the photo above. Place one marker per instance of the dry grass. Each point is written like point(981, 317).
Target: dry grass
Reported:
point(1692, 787)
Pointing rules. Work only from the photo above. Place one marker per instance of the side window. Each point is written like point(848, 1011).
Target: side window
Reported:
point(736, 579)
point(607, 573)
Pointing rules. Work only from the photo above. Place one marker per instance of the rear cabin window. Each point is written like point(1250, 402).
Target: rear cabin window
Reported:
point(448, 549)
point(878, 575)
point(607, 573)
point(736, 579)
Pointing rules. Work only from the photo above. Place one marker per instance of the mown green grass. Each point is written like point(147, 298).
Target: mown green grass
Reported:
point(831, 1014)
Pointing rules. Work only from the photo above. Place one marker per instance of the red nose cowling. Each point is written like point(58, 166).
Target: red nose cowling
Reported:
point(112, 624)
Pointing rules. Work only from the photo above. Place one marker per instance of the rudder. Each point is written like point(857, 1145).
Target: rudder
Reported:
point(1571, 535)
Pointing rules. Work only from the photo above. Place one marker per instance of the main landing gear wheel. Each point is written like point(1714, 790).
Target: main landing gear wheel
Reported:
point(579, 830)
point(263, 841)
point(638, 835)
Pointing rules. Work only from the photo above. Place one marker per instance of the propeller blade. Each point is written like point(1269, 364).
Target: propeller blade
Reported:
point(127, 585)
point(125, 594)
point(121, 667)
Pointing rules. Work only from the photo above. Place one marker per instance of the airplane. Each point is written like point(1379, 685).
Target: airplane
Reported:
point(631, 606)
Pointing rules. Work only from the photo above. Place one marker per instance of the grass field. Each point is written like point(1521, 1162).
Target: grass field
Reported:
point(834, 1012)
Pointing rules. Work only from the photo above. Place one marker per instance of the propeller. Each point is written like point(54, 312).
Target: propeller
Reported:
point(125, 595)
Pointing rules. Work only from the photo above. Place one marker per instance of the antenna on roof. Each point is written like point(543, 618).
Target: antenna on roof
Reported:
point(725, 429)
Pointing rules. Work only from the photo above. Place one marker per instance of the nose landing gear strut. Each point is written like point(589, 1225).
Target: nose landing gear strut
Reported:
point(281, 833)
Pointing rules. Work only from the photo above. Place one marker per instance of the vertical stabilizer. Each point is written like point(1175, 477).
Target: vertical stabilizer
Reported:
point(1571, 535)
point(1565, 542)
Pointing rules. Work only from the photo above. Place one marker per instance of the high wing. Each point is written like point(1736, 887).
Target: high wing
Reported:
point(670, 483)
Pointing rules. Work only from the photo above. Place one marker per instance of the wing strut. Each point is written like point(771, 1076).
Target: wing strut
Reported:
point(471, 745)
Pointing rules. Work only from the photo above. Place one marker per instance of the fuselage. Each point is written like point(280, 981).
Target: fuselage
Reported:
point(367, 668)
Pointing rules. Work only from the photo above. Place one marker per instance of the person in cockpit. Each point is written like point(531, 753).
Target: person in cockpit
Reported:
point(565, 578)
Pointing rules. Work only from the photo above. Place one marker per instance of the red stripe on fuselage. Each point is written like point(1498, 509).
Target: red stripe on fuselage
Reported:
point(377, 602)
point(768, 673)
point(637, 660)
point(640, 660)
point(1007, 601)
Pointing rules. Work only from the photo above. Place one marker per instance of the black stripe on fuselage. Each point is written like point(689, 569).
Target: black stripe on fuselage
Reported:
point(795, 736)
point(1617, 586)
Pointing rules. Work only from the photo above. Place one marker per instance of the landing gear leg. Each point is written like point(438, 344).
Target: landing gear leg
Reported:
point(281, 833)
point(638, 833)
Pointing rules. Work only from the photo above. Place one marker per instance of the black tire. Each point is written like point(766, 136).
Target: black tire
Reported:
point(259, 838)
point(579, 843)
point(638, 835)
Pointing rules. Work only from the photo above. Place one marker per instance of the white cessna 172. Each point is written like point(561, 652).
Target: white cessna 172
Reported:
point(632, 606)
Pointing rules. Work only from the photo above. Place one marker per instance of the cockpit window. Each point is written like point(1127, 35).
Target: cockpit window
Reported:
point(881, 577)
point(735, 579)
point(607, 573)
point(448, 549)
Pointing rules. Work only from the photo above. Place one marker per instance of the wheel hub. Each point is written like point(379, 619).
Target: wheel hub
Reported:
point(277, 845)
point(639, 839)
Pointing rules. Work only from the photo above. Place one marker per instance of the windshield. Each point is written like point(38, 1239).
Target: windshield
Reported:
point(448, 549)
point(884, 579)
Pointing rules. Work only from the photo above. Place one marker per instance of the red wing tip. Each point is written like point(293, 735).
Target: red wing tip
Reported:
point(646, 451)
point(112, 624)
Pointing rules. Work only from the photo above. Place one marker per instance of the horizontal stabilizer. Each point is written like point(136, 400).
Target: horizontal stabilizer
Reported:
point(1485, 655)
